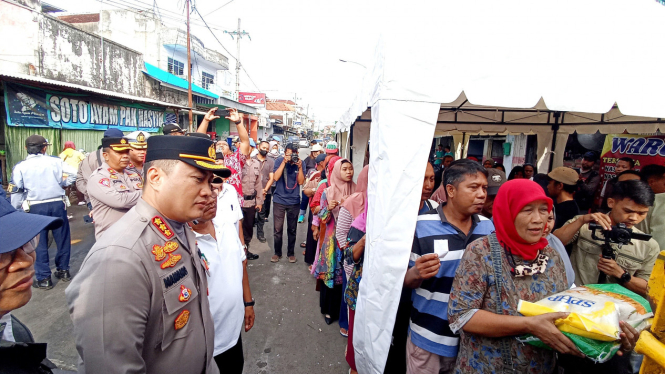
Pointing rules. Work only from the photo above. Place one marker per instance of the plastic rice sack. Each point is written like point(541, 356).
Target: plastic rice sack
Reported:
point(593, 323)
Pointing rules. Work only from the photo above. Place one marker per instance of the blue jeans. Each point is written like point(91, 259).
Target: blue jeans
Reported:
point(61, 237)
point(304, 202)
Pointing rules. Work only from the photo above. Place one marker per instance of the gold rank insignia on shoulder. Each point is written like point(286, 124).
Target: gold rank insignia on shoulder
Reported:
point(171, 261)
point(160, 251)
point(112, 171)
point(185, 294)
point(182, 319)
point(105, 182)
point(161, 225)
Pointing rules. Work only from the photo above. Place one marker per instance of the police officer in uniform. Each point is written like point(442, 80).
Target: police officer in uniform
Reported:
point(173, 129)
point(113, 189)
point(89, 165)
point(137, 148)
point(139, 303)
point(253, 201)
point(37, 187)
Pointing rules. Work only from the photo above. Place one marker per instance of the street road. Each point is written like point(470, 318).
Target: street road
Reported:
point(289, 336)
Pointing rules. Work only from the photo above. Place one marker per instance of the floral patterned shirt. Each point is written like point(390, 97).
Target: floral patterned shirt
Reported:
point(236, 162)
point(474, 289)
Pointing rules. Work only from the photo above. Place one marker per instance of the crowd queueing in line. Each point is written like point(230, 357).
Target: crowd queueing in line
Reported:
point(474, 226)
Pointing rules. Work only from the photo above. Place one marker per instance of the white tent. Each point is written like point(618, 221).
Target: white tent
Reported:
point(544, 67)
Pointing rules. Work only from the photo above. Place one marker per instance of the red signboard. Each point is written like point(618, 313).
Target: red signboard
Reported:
point(252, 98)
point(644, 149)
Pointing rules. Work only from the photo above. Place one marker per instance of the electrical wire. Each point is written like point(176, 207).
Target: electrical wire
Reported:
point(227, 51)
point(219, 8)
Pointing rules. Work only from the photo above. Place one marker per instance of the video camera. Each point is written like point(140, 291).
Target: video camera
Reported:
point(294, 157)
point(619, 234)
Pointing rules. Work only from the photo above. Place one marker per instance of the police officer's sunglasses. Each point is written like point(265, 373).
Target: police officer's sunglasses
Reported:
point(8, 258)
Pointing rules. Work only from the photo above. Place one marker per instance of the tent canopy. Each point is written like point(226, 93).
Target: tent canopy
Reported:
point(513, 66)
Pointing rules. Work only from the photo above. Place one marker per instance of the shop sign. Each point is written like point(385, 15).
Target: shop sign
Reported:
point(644, 149)
point(31, 107)
point(252, 98)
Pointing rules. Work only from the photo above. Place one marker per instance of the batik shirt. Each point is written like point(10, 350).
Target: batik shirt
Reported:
point(474, 289)
point(236, 162)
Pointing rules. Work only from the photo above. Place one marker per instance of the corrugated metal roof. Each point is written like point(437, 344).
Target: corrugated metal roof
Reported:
point(30, 78)
point(168, 78)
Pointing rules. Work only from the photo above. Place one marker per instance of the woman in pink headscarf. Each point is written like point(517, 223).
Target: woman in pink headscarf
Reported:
point(328, 264)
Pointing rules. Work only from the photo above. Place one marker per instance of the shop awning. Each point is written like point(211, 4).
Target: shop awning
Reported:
point(27, 79)
point(170, 79)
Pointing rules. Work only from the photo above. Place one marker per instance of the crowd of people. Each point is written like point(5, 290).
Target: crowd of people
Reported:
point(174, 218)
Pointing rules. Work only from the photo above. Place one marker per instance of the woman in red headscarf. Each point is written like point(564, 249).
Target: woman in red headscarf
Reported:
point(530, 270)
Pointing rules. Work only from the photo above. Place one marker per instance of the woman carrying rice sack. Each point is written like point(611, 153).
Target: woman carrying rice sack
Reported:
point(526, 268)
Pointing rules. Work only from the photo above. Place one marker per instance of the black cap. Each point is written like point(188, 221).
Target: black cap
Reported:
point(113, 133)
point(320, 158)
point(171, 128)
point(199, 135)
point(192, 150)
point(116, 144)
point(33, 140)
point(591, 156)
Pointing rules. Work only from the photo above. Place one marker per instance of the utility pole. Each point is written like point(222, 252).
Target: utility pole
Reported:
point(239, 34)
point(189, 73)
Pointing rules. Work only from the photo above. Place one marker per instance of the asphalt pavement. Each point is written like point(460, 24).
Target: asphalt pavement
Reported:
point(289, 335)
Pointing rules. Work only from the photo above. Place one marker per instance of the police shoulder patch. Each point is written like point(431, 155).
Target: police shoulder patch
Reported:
point(105, 182)
point(160, 224)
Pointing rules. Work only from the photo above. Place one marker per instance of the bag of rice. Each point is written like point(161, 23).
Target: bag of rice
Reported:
point(593, 323)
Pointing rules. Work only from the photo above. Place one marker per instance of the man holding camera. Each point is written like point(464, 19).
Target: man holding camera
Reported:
point(632, 263)
point(288, 176)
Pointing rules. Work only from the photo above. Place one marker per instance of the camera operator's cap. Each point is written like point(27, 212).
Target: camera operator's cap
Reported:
point(36, 140)
point(320, 158)
point(171, 128)
point(495, 178)
point(138, 139)
point(192, 150)
point(331, 147)
point(113, 133)
point(19, 227)
point(564, 175)
point(591, 156)
point(317, 148)
point(116, 144)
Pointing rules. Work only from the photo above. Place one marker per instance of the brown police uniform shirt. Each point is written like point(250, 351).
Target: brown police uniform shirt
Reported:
point(133, 169)
point(251, 183)
point(139, 302)
point(112, 194)
point(637, 258)
point(266, 167)
point(86, 168)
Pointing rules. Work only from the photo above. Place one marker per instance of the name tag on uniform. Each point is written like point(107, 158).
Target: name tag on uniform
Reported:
point(441, 248)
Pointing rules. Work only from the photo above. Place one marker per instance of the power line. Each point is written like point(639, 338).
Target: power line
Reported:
point(227, 51)
point(219, 8)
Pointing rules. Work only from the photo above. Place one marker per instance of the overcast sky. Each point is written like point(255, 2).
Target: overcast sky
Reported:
point(295, 45)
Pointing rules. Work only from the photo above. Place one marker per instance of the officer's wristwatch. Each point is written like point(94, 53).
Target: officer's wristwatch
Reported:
point(625, 277)
point(251, 303)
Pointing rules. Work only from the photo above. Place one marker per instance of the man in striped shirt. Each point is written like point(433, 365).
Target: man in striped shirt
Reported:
point(441, 236)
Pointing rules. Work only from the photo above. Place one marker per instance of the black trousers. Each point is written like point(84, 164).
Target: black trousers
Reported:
point(248, 215)
point(291, 212)
point(231, 361)
point(310, 248)
point(262, 215)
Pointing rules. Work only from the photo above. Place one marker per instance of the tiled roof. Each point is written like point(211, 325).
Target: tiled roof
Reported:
point(80, 18)
point(279, 107)
point(290, 102)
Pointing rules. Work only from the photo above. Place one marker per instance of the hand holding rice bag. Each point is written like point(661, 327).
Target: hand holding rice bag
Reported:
point(595, 311)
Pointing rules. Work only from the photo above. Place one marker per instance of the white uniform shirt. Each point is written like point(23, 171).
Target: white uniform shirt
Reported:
point(225, 257)
point(40, 176)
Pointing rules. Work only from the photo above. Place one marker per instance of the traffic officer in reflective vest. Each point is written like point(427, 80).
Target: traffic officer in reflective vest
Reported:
point(139, 303)
point(113, 190)
point(37, 187)
point(137, 147)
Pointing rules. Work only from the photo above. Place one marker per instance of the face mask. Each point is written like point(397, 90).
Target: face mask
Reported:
point(262, 152)
point(274, 152)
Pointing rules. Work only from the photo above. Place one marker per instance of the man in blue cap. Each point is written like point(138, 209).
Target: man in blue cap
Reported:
point(38, 187)
point(90, 164)
point(18, 239)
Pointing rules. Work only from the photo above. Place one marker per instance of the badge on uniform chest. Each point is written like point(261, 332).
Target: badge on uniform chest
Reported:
point(185, 294)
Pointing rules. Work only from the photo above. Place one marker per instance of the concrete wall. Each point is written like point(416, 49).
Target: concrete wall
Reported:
point(72, 55)
point(19, 28)
point(154, 90)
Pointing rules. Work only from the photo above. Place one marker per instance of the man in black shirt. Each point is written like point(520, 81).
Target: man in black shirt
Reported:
point(590, 182)
point(561, 187)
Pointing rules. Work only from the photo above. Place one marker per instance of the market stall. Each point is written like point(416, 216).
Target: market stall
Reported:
point(510, 67)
